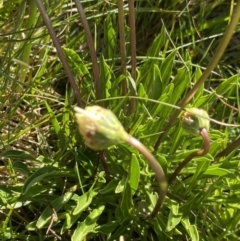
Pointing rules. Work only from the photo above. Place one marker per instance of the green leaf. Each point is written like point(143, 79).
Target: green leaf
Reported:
point(133, 83)
point(154, 89)
point(109, 227)
point(105, 77)
point(76, 63)
point(191, 229)
point(166, 68)
point(134, 174)
point(66, 116)
point(199, 93)
point(16, 154)
point(122, 229)
point(37, 176)
point(141, 91)
point(109, 37)
point(121, 185)
point(216, 171)
point(56, 204)
point(126, 204)
point(181, 82)
point(57, 127)
point(88, 225)
point(202, 166)
point(157, 44)
point(227, 85)
point(111, 186)
point(84, 201)
point(21, 167)
point(174, 217)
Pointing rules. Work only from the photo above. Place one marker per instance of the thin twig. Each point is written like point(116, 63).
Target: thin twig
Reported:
point(153, 163)
point(212, 64)
point(60, 52)
point(54, 216)
point(133, 52)
point(202, 152)
point(54, 233)
point(96, 72)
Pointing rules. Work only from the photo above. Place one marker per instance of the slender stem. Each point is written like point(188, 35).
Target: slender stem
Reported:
point(228, 149)
point(170, 105)
point(153, 163)
point(60, 52)
point(212, 64)
point(133, 51)
point(105, 166)
point(202, 152)
point(96, 72)
point(122, 44)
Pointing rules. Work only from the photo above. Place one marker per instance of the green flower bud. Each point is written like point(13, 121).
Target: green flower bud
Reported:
point(193, 121)
point(99, 126)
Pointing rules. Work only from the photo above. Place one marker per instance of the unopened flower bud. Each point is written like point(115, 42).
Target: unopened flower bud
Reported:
point(99, 126)
point(193, 121)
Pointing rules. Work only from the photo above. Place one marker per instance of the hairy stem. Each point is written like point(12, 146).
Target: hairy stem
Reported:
point(60, 52)
point(96, 72)
point(212, 64)
point(153, 163)
point(202, 152)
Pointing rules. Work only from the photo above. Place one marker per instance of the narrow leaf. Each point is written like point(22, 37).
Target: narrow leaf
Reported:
point(37, 176)
point(87, 226)
point(134, 174)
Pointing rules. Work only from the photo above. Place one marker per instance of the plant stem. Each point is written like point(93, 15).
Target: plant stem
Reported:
point(96, 73)
point(231, 147)
point(60, 52)
point(133, 51)
point(202, 152)
point(212, 64)
point(153, 163)
point(122, 44)
point(105, 166)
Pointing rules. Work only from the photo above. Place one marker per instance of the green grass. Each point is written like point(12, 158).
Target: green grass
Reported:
point(52, 187)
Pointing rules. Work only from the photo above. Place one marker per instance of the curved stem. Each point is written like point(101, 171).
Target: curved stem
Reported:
point(153, 163)
point(91, 48)
point(212, 64)
point(202, 152)
point(60, 52)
